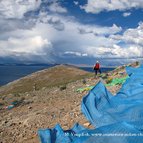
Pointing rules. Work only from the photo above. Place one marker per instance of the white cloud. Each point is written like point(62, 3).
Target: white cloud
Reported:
point(56, 22)
point(56, 7)
point(131, 35)
point(44, 34)
point(97, 30)
point(126, 14)
point(76, 2)
point(17, 8)
point(54, 36)
point(116, 51)
point(96, 6)
point(71, 53)
point(31, 46)
point(134, 35)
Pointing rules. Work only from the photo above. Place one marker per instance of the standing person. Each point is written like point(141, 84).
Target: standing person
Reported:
point(97, 68)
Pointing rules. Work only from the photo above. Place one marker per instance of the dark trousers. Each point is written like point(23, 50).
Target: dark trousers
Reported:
point(96, 70)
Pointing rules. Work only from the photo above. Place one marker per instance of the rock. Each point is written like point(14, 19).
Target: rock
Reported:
point(27, 102)
point(71, 114)
point(84, 81)
point(12, 124)
point(20, 123)
point(5, 121)
point(29, 107)
point(86, 124)
point(53, 116)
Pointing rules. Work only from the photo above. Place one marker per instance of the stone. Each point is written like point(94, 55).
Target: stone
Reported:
point(86, 124)
point(29, 107)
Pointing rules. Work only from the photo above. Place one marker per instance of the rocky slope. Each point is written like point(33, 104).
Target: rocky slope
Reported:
point(45, 98)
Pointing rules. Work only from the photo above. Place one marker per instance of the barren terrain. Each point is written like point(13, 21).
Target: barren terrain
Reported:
point(45, 98)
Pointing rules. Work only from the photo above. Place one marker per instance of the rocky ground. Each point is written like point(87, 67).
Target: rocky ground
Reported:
point(45, 107)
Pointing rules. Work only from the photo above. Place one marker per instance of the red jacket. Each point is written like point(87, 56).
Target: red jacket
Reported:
point(97, 66)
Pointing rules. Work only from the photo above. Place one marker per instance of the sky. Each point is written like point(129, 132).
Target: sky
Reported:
point(71, 31)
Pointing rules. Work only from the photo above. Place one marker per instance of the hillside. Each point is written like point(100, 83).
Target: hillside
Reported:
point(55, 76)
point(53, 99)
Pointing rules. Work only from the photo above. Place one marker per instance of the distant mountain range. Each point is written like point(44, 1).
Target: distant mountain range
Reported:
point(27, 64)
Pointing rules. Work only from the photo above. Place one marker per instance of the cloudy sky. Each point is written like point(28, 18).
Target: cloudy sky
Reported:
point(71, 31)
